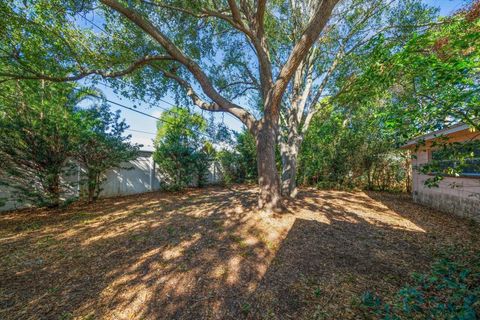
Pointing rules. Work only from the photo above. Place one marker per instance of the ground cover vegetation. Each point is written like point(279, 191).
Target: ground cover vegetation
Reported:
point(209, 254)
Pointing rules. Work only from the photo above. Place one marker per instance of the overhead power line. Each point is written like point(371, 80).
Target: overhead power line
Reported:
point(144, 113)
point(141, 131)
point(130, 86)
point(135, 110)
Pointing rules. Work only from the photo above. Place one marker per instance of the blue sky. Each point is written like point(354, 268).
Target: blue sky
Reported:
point(139, 122)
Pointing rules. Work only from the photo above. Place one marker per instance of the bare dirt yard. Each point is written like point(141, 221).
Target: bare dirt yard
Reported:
point(208, 254)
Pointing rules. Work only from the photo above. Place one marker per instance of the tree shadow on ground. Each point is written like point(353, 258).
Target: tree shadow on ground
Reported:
point(184, 256)
point(353, 243)
point(207, 254)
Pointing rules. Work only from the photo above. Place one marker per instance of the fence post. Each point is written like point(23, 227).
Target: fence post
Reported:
point(152, 171)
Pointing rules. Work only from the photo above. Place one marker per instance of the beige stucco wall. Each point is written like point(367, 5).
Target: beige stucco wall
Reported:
point(456, 195)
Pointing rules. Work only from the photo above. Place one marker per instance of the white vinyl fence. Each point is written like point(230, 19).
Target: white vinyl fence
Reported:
point(137, 176)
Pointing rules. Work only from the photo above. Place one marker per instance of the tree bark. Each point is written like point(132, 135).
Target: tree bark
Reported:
point(289, 153)
point(54, 191)
point(91, 187)
point(269, 198)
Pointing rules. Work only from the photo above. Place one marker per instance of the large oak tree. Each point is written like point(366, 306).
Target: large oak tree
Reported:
point(217, 52)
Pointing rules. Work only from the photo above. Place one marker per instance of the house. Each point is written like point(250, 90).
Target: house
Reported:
point(458, 193)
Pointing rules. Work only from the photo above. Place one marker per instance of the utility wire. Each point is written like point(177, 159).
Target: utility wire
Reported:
point(127, 84)
point(135, 110)
point(144, 113)
point(141, 131)
point(142, 100)
point(160, 99)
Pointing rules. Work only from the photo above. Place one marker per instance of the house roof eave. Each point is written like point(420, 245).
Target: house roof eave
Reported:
point(436, 134)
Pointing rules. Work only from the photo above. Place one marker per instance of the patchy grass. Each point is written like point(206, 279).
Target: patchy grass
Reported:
point(208, 254)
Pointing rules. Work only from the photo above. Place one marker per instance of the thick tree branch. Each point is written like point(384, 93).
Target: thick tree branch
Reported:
point(260, 15)
point(36, 75)
point(336, 60)
point(243, 115)
point(299, 51)
point(254, 35)
point(262, 48)
point(179, 56)
point(237, 16)
point(203, 13)
point(302, 100)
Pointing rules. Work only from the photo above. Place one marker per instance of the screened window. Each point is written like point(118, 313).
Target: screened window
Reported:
point(462, 159)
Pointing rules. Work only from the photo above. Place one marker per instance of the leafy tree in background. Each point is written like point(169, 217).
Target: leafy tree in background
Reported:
point(238, 163)
point(343, 50)
point(248, 155)
point(181, 150)
point(203, 162)
point(37, 133)
point(441, 88)
point(101, 145)
point(428, 84)
point(45, 135)
point(348, 148)
point(439, 72)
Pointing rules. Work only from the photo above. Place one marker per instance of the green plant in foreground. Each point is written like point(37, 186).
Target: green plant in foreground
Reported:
point(450, 290)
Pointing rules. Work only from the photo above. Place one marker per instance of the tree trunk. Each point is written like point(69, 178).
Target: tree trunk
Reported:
point(91, 186)
point(289, 152)
point(91, 192)
point(268, 179)
point(54, 191)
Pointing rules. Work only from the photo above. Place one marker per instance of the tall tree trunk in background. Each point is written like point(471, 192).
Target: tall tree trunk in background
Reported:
point(408, 172)
point(53, 190)
point(268, 180)
point(289, 153)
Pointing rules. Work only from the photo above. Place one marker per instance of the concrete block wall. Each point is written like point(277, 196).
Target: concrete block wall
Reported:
point(454, 195)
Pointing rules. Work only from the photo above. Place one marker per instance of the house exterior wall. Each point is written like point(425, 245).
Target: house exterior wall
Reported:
point(455, 195)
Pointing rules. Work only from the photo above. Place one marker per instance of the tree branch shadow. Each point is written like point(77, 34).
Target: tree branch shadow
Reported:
point(208, 254)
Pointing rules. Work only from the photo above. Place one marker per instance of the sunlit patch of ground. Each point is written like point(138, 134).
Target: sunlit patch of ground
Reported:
point(208, 254)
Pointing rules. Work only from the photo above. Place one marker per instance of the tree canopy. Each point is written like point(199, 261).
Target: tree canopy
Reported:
point(271, 64)
point(37, 138)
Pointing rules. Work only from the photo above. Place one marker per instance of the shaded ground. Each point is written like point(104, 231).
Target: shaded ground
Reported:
point(207, 254)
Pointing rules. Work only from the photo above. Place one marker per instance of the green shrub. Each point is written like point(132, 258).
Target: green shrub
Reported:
point(451, 290)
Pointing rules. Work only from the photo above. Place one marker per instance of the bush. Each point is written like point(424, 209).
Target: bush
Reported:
point(451, 290)
point(182, 153)
point(229, 162)
point(240, 164)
